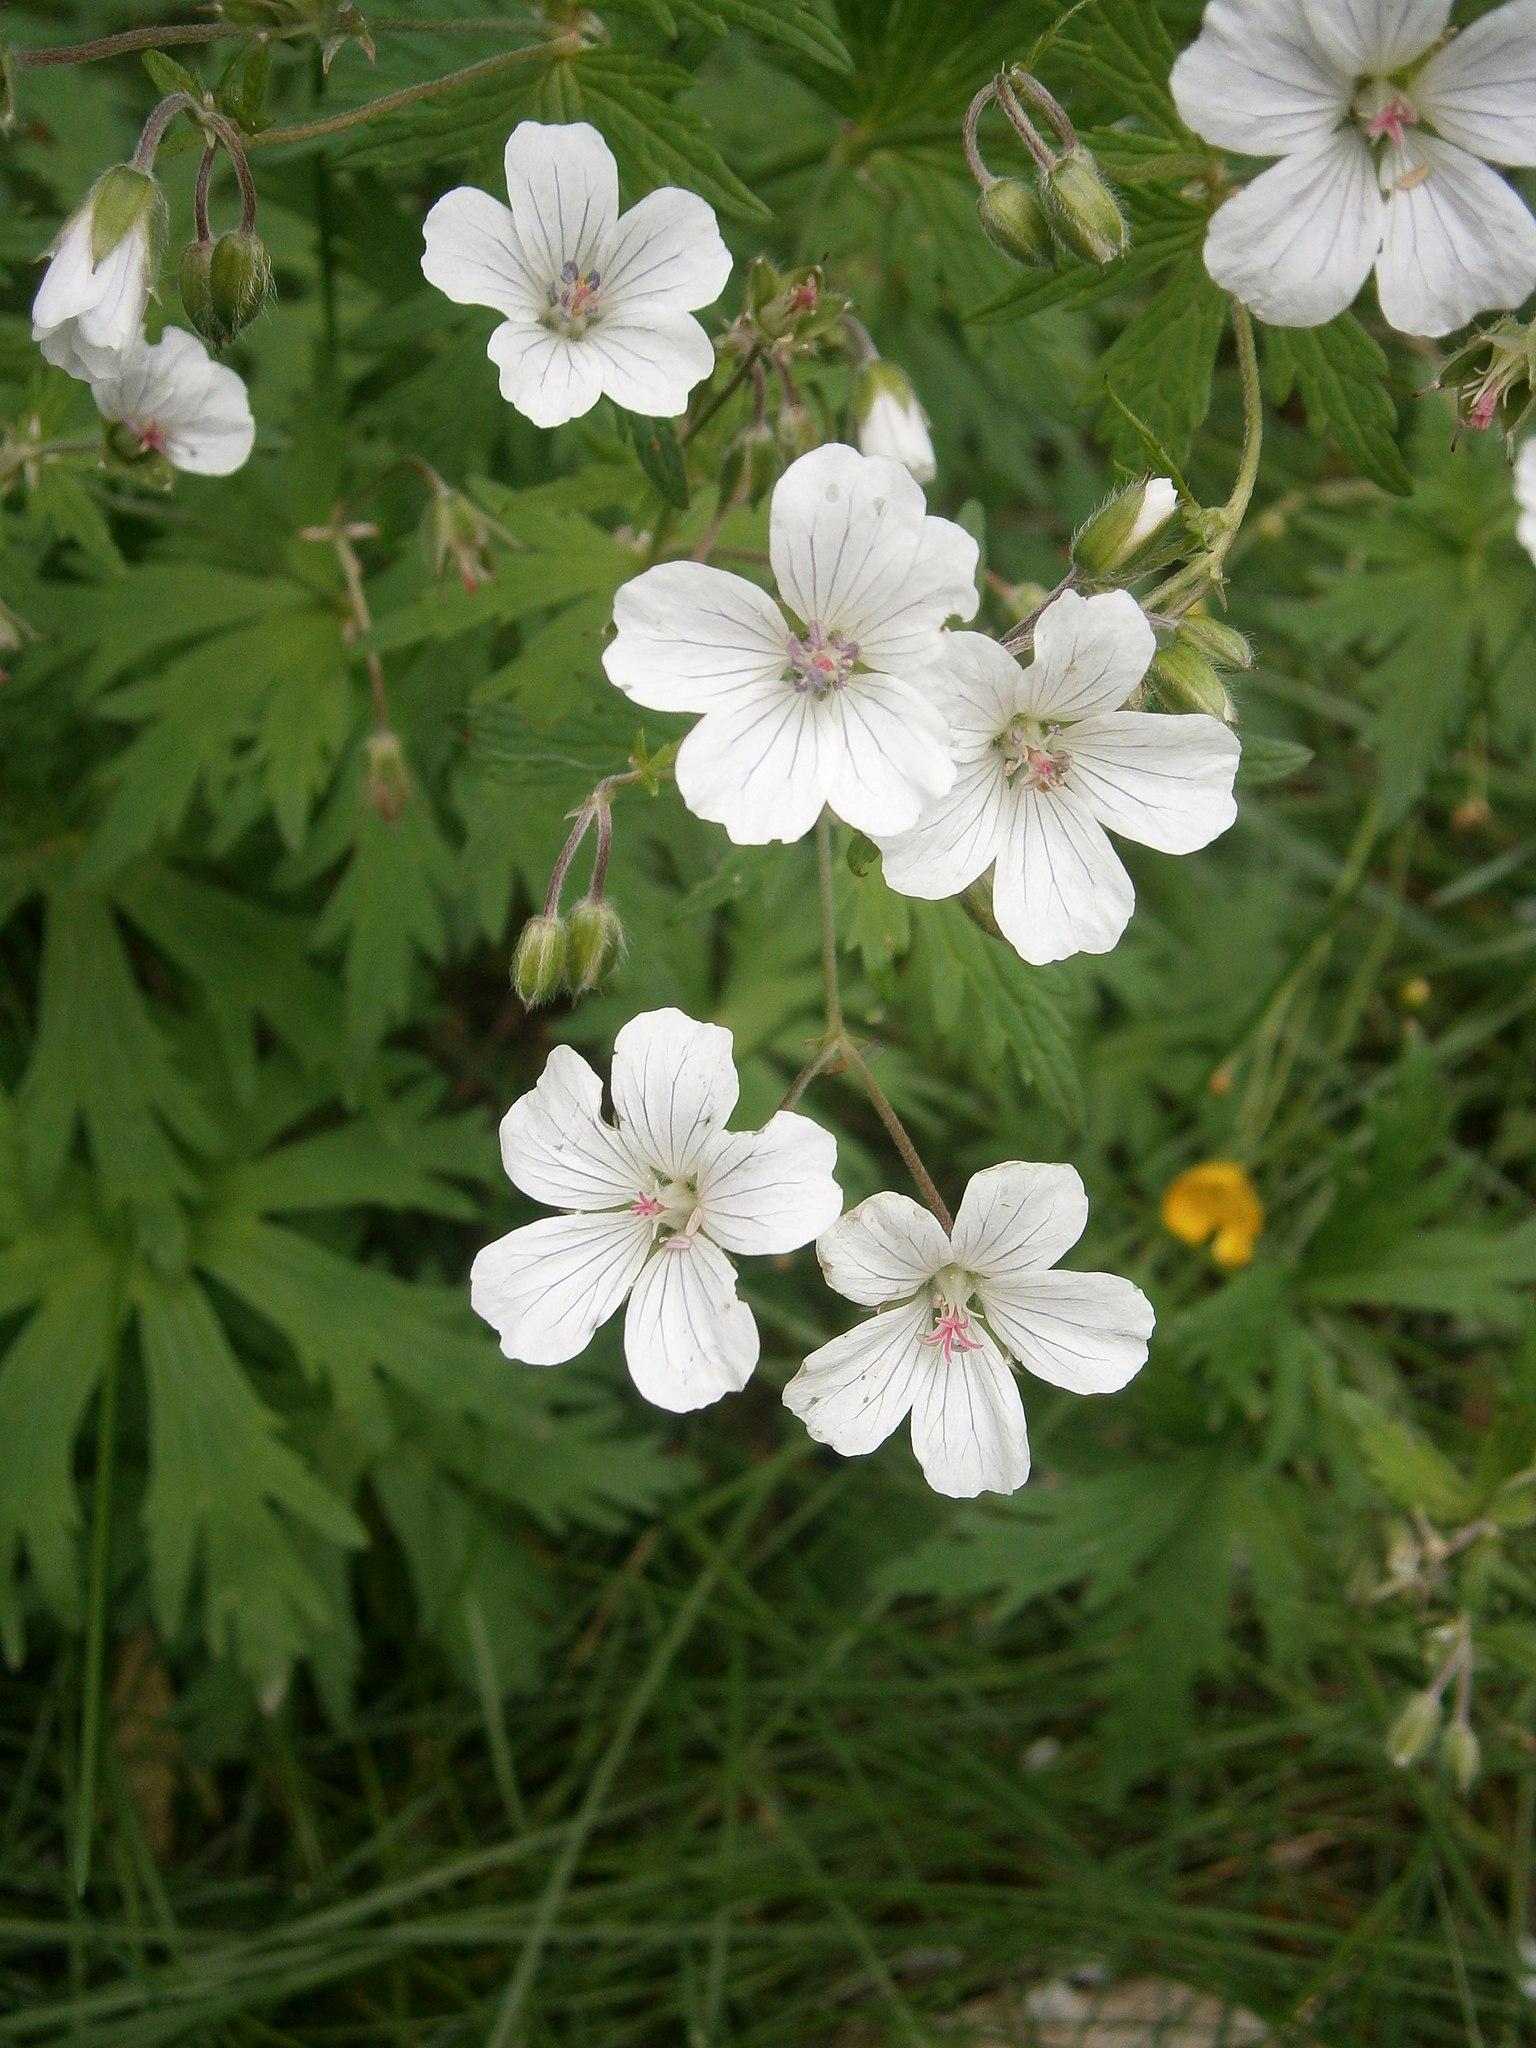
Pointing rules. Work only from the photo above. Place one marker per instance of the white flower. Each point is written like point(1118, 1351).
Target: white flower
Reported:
point(830, 701)
point(954, 1312)
point(1525, 495)
point(891, 422)
point(654, 1202)
point(86, 311)
point(1159, 502)
point(592, 302)
point(180, 404)
point(1381, 156)
point(1046, 760)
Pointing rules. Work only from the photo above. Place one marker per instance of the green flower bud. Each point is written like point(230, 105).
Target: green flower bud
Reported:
point(750, 466)
point(538, 965)
point(1084, 212)
point(239, 280)
point(1462, 1755)
point(197, 291)
point(1222, 645)
point(597, 943)
point(7, 92)
point(794, 302)
point(389, 780)
point(1414, 1731)
point(1185, 681)
point(1121, 529)
point(125, 201)
point(1014, 222)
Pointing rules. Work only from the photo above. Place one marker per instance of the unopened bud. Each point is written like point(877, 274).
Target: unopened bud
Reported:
point(1413, 1732)
point(1222, 645)
point(240, 279)
point(389, 780)
point(1014, 222)
point(1462, 1754)
point(125, 201)
point(197, 289)
point(596, 943)
point(7, 92)
point(890, 421)
point(1185, 681)
point(1084, 212)
point(750, 466)
point(1120, 530)
point(538, 965)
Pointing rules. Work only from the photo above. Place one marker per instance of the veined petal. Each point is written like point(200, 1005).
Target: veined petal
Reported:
point(1459, 241)
point(1090, 654)
point(983, 687)
point(1298, 243)
point(968, 1426)
point(564, 187)
point(854, 1391)
point(756, 767)
point(1086, 1332)
point(473, 256)
point(666, 252)
point(556, 1147)
point(216, 435)
point(1480, 90)
point(1019, 1218)
point(885, 749)
point(956, 839)
point(115, 317)
point(770, 1190)
point(1162, 780)
point(651, 359)
point(687, 1337)
point(882, 1251)
point(1376, 36)
point(1257, 80)
point(545, 1288)
point(694, 638)
point(674, 1087)
point(549, 377)
point(1059, 887)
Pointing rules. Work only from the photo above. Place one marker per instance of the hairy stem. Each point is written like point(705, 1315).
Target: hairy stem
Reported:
point(975, 161)
point(897, 1132)
point(407, 95)
point(1044, 156)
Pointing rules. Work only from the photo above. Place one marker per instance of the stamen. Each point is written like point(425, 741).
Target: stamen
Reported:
point(952, 1332)
point(821, 662)
point(575, 301)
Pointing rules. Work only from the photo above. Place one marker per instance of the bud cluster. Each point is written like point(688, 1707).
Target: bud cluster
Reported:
point(225, 284)
point(1192, 662)
point(1068, 210)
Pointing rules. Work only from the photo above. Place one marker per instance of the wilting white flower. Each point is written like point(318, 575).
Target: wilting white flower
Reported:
point(592, 302)
point(891, 422)
point(1525, 496)
point(88, 310)
point(954, 1311)
point(830, 699)
point(1046, 759)
point(654, 1202)
point(1382, 150)
point(179, 403)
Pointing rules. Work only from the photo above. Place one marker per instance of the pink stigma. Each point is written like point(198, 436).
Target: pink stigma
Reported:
point(647, 1205)
point(1391, 120)
point(151, 436)
point(953, 1332)
point(1483, 410)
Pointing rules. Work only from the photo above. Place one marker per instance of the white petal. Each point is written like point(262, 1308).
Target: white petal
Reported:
point(885, 750)
point(756, 768)
point(64, 347)
point(771, 1190)
point(674, 1088)
point(982, 687)
point(854, 1391)
point(1458, 242)
point(651, 359)
point(853, 549)
point(667, 252)
point(882, 1251)
point(1257, 80)
point(1525, 497)
point(896, 430)
point(968, 1426)
point(556, 1147)
point(694, 638)
point(687, 1337)
point(1298, 243)
point(1090, 654)
point(1019, 1218)
point(564, 187)
point(198, 408)
point(1164, 781)
point(957, 839)
point(1086, 1332)
point(115, 317)
point(547, 1287)
point(1376, 36)
point(473, 255)
point(1480, 90)
point(1059, 887)
point(69, 282)
point(549, 377)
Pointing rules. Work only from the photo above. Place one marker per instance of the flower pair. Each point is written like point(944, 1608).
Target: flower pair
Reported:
point(656, 1201)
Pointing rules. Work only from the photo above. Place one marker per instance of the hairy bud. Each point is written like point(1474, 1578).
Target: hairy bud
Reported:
point(1014, 222)
point(1122, 529)
point(1185, 681)
point(538, 965)
point(1222, 645)
point(240, 279)
point(197, 289)
point(1494, 379)
point(389, 780)
point(125, 201)
point(1084, 212)
point(596, 943)
point(1413, 1732)
point(1462, 1755)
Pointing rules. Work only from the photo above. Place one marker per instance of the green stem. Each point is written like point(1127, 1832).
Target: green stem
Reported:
point(390, 102)
point(1190, 584)
point(897, 1132)
point(126, 41)
point(732, 384)
point(828, 925)
point(96, 1628)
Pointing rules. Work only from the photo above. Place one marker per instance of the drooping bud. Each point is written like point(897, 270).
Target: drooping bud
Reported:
point(1494, 379)
point(749, 468)
point(1222, 645)
point(1462, 1754)
point(1014, 222)
point(456, 539)
point(197, 290)
point(596, 943)
point(389, 780)
point(239, 280)
point(1413, 1732)
point(538, 965)
point(891, 423)
point(1184, 680)
point(1123, 528)
point(1084, 212)
point(125, 201)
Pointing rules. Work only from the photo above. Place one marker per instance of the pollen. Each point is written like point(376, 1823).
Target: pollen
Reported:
point(1215, 1203)
point(575, 300)
point(819, 661)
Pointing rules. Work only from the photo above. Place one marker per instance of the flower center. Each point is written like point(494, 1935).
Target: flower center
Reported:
point(673, 1208)
point(151, 435)
point(951, 1330)
point(575, 301)
point(1033, 754)
point(1384, 111)
point(819, 661)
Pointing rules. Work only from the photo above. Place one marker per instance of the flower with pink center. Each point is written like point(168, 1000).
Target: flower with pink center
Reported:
point(956, 1312)
point(1384, 126)
point(652, 1203)
point(179, 403)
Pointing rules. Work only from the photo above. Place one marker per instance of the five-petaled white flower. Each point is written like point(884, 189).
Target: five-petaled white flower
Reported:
point(592, 302)
point(1046, 760)
point(832, 699)
point(87, 311)
point(1525, 496)
point(654, 1202)
point(954, 1311)
point(179, 403)
point(1381, 148)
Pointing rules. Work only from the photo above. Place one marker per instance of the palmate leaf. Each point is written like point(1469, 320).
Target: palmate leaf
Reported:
point(796, 25)
point(1159, 367)
point(1405, 1464)
point(1342, 375)
point(1124, 47)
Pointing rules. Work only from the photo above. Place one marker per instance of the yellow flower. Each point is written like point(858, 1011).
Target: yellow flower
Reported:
point(1215, 1202)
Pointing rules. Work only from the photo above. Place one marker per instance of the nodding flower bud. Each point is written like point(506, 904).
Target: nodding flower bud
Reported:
point(239, 279)
point(1122, 528)
point(1183, 680)
point(538, 965)
point(1462, 1755)
point(1222, 645)
point(890, 421)
point(596, 943)
point(1084, 212)
point(456, 539)
point(749, 468)
point(126, 201)
point(197, 289)
point(389, 780)
point(1014, 222)
point(1413, 1732)
point(1494, 379)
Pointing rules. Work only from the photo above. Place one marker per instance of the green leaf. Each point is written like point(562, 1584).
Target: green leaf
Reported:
point(168, 76)
point(661, 457)
point(1342, 376)
point(1405, 1464)
point(1267, 760)
point(1160, 366)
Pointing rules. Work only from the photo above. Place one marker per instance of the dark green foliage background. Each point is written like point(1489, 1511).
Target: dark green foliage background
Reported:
point(487, 1691)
